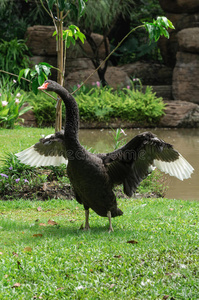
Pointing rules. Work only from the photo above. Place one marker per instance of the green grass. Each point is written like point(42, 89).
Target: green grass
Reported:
point(20, 138)
point(67, 263)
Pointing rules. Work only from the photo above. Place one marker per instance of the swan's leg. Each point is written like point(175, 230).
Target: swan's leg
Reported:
point(109, 218)
point(87, 227)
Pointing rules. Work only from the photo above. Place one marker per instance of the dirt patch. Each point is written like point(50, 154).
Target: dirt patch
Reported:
point(55, 190)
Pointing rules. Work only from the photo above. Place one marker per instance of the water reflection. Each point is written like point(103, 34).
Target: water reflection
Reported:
point(186, 141)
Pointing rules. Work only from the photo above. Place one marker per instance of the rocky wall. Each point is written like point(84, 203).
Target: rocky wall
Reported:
point(181, 51)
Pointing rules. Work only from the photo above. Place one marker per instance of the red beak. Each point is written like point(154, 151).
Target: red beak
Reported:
point(43, 86)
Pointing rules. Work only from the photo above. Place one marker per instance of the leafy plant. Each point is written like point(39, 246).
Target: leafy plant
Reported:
point(14, 55)
point(158, 27)
point(128, 104)
point(44, 108)
point(38, 75)
point(62, 9)
point(117, 137)
point(11, 102)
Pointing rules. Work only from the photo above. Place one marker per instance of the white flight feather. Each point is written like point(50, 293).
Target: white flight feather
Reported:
point(179, 168)
point(31, 157)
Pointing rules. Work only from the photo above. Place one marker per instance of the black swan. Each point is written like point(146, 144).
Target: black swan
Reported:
point(93, 176)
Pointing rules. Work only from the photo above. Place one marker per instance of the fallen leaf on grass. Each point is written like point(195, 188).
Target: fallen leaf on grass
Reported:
point(51, 222)
point(132, 242)
point(37, 234)
point(16, 285)
point(42, 224)
point(27, 249)
point(165, 297)
point(171, 209)
point(15, 254)
point(118, 256)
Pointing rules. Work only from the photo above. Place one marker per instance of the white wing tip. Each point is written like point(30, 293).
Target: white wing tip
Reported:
point(179, 168)
point(32, 158)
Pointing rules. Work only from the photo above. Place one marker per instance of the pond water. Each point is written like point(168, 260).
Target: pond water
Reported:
point(186, 141)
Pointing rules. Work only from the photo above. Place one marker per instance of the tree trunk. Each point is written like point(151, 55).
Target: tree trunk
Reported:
point(60, 65)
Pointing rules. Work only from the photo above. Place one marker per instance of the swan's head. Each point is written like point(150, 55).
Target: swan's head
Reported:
point(49, 85)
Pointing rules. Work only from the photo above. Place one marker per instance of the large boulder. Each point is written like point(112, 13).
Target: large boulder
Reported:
point(114, 76)
point(149, 73)
point(180, 6)
point(185, 77)
point(41, 42)
point(169, 47)
point(188, 40)
point(180, 114)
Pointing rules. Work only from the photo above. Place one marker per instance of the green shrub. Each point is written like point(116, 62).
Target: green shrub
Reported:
point(127, 104)
point(102, 104)
point(11, 101)
point(44, 108)
point(14, 57)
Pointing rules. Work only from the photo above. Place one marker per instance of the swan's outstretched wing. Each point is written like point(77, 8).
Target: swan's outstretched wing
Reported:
point(131, 163)
point(49, 151)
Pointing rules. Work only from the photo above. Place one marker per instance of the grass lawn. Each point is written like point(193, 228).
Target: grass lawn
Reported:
point(39, 260)
point(20, 138)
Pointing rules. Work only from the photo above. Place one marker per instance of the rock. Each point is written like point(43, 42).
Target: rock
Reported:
point(179, 6)
point(42, 43)
point(180, 114)
point(78, 64)
point(114, 76)
point(149, 73)
point(169, 47)
point(40, 40)
point(188, 40)
point(185, 21)
point(185, 77)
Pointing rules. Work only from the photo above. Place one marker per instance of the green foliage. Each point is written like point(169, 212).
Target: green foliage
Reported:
point(14, 55)
point(44, 108)
point(67, 5)
point(16, 176)
point(99, 16)
point(71, 34)
point(38, 75)
point(127, 104)
point(103, 104)
point(158, 27)
point(11, 102)
point(117, 137)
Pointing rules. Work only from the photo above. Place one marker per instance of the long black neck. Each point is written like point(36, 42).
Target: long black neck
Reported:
point(72, 118)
